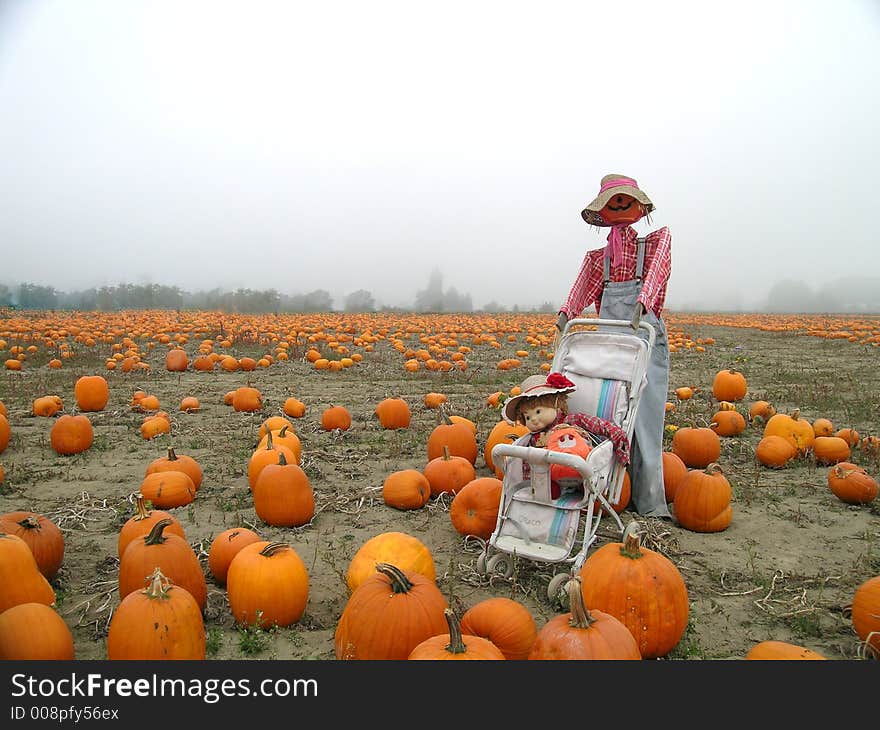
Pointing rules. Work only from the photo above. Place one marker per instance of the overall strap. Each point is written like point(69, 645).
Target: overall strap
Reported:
point(606, 267)
point(640, 262)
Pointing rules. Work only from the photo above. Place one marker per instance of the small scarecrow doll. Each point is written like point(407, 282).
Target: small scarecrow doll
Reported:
point(542, 405)
point(626, 280)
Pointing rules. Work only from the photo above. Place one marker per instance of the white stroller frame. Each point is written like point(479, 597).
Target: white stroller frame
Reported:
point(529, 523)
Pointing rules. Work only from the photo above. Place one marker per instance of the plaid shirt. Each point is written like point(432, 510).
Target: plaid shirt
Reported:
point(592, 424)
point(588, 286)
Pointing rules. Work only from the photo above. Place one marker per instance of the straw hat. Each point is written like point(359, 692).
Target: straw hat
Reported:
point(609, 186)
point(536, 385)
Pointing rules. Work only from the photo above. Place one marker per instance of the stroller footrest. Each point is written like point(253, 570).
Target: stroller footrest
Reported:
point(533, 550)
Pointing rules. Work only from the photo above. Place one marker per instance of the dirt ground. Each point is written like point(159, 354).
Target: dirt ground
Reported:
point(785, 569)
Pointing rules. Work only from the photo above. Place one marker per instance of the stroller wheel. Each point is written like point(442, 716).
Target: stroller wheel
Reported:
point(481, 563)
point(501, 563)
point(557, 583)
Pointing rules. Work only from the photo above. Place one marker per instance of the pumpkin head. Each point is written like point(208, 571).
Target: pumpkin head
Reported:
point(399, 548)
point(169, 552)
point(91, 393)
point(474, 508)
point(508, 624)
point(283, 495)
point(455, 646)
point(702, 500)
point(406, 489)
point(639, 587)
point(42, 537)
point(389, 614)
point(393, 413)
point(161, 621)
point(584, 633)
point(622, 209)
point(267, 584)
point(225, 547)
point(71, 434)
point(34, 631)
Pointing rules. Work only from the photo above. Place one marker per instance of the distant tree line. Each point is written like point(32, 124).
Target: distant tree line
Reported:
point(125, 296)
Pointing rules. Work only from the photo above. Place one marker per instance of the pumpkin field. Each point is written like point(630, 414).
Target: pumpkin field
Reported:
point(191, 410)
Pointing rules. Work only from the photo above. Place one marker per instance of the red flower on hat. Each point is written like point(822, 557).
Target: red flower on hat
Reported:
point(558, 380)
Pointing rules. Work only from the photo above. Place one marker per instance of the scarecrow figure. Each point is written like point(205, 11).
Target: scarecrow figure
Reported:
point(626, 280)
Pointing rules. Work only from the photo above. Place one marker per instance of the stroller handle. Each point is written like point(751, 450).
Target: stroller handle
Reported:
point(616, 323)
point(597, 460)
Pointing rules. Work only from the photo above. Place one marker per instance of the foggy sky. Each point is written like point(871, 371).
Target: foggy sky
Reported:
point(344, 146)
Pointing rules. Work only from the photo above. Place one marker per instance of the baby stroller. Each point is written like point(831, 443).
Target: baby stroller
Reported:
point(607, 361)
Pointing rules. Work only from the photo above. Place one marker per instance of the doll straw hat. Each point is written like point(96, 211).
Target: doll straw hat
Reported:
point(536, 385)
point(609, 186)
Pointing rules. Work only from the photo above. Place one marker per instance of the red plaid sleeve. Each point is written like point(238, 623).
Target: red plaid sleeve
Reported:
point(601, 427)
point(587, 287)
point(658, 266)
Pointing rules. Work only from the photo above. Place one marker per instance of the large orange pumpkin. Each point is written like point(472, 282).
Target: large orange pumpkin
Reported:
point(455, 645)
point(502, 433)
point(267, 583)
point(225, 546)
point(696, 446)
point(168, 489)
point(506, 623)
point(393, 413)
point(640, 587)
point(91, 392)
point(336, 418)
point(851, 483)
point(71, 434)
point(390, 613)
point(41, 535)
point(406, 489)
point(775, 451)
point(283, 495)
point(458, 438)
point(405, 551)
point(781, 650)
point(794, 429)
point(866, 613)
point(20, 575)
point(448, 473)
point(178, 462)
point(830, 450)
point(584, 633)
point(142, 522)
point(674, 469)
point(729, 385)
point(702, 500)
point(34, 631)
point(474, 508)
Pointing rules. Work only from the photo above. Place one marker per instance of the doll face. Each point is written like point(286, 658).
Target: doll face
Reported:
point(538, 417)
point(622, 209)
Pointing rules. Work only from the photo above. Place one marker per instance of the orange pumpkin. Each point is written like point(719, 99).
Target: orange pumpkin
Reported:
point(168, 489)
point(176, 360)
point(702, 500)
point(454, 645)
point(246, 399)
point(390, 613)
point(225, 546)
point(284, 436)
point(34, 631)
point(336, 418)
point(729, 385)
point(502, 433)
point(696, 446)
point(674, 469)
point(761, 411)
point(796, 430)
point(458, 438)
point(584, 633)
point(267, 584)
point(474, 508)
point(639, 587)
point(447, 474)
point(20, 575)
point(781, 650)
point(142, 522)
point(775, 451)
point(728, 423)
point(865, 614)
point(41, 535)
point(506, 623)
point(830, 449)
point(91, 393)
point(294, 408)
point(71, 434)
point(269, 453)
point(393, 413)
point(173, 614)
point(823, 427)
point(399, 548)
point(283, 495)
point(406, 489)
point(434, 400)
point(851, 483)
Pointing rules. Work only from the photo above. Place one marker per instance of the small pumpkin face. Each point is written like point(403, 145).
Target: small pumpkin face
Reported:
point(568, 441)
point(622, 209)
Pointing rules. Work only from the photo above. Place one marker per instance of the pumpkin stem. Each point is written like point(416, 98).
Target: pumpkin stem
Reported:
point(171, 455)
point(156, 537)
point(795, 414)
point(580, 615)
point(272, 548)
point(399, 582)
point(159, 585)
point(283, 431)
point(141, 505)
point(269, 444)
point(281, 460)
point(456, 643)
point(446, 454)
point(714, 468)
point(30, 522)
point(631, 547)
